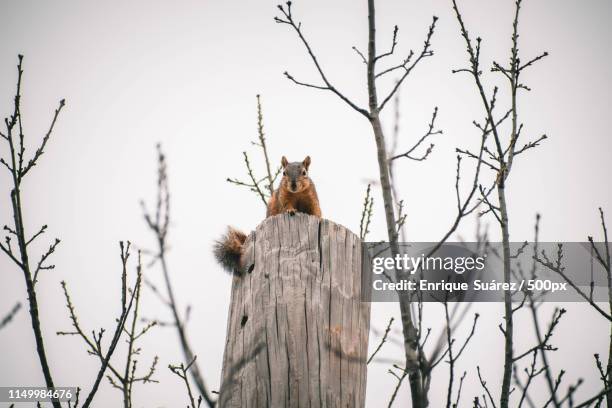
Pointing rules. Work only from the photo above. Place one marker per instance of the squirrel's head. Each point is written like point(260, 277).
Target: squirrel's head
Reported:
point(295, 175)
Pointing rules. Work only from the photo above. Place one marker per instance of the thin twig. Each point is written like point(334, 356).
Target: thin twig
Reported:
point(181, 371)
point(10, 315)
point(382, 340)
point(95, 342)
point(366, 214)
point(430, 132)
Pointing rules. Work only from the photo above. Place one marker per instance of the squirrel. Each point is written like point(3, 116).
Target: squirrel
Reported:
point(296, 193)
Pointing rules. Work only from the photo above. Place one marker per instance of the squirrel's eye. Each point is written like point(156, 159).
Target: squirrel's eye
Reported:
point(284, 173)
point(303, 172)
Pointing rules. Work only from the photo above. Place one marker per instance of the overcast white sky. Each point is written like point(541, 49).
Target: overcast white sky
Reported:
point(186, 74)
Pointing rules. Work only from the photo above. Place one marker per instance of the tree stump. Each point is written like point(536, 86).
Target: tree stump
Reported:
point(297, 332)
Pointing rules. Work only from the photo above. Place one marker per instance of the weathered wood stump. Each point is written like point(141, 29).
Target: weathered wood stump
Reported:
point(297, 332)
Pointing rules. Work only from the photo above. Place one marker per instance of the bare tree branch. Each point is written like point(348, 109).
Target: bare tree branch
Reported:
point(15, 139)
point(400, 380)
point(430, 132)
point(10, 315)
point(288, 19)
point(181, 371)
point(366, 214)
point(544, 345)
point(425, 52)
point(125, 382)
point(264, 147)
point(393, 44)
point(254, 185)
point(483, 383)
point(504, 156)
point(269, 178)
point(382, 340)
point(544, 261)
point(95, 341)
point(159, 226)
point(363, 58)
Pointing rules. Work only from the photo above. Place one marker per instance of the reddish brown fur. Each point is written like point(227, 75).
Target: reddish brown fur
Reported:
point(304, 199)
point(228, 250)
point(235, 239)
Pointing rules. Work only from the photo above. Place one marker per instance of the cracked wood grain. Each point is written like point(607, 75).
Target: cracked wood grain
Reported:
point(297, 332)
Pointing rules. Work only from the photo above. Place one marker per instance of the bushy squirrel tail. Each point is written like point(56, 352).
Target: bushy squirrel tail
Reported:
point(228, 250)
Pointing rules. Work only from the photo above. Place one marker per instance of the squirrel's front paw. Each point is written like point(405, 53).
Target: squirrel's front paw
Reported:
point(291, 211)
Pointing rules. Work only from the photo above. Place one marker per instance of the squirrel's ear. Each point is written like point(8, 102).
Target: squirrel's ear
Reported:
point(306, 162)
point(284, 162)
